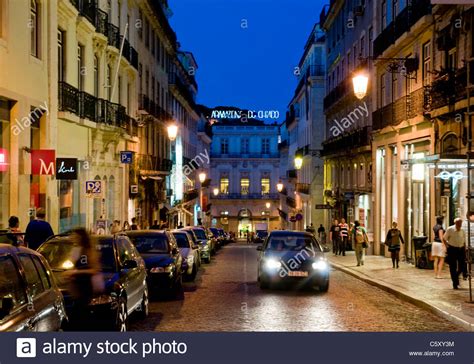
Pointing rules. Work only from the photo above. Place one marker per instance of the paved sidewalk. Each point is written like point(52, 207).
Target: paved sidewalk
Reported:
point(417, 286)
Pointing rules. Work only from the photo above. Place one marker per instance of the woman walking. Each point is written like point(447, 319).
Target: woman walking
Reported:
point(361, 242)
point(393, 239)
point(438, 249)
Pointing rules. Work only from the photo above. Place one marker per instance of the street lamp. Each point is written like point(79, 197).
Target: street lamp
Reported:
point(280, 186)
point(360, 82)
point(267, 205)
point(172, 132)
point(215, 191)
point(202, 177)
point(298, 162)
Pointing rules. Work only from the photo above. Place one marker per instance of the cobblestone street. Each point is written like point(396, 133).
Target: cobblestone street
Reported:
point(226, 297)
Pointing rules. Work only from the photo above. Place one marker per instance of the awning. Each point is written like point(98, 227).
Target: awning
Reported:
point(156, 178)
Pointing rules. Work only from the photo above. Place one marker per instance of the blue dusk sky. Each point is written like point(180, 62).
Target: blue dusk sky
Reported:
point(246, 50)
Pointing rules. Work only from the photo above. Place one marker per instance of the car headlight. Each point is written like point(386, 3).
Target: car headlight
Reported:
point(190, 259)
point(166, 269)
point(320, 265)
point(205, 247)
point(273, 264)
point(101, 300)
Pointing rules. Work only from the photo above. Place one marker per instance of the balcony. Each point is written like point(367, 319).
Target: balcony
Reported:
point(341, 90)
point(86, 106)
point(248, 196)
point(190, 195)
point(448, 88)
point(303, 188)
point(291, 202)
point(150, 107)
point(403, 22)
point(178, 86)
point(246, 155)
point(354, 139)
point(148, 162)
point(113, 35)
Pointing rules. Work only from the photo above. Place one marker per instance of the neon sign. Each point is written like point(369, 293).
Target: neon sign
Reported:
point(456, 175)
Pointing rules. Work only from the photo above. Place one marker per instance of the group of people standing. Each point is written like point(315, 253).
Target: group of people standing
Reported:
point(340, 234)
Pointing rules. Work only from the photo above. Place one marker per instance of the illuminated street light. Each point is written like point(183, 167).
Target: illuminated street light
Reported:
point(280, 186)
point(360, 82)
point(172, 132)
point(298, 162)
point(267, 205)
point(202, 177)
point(215, 191)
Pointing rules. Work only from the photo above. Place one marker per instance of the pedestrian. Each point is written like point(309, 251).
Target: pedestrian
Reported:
point(335, 236)
point(38, 230)
point(310, 229)
point(321, 230)
point(393, 239)
point(455, 240)
point(180, 225)
point(155, 225)
point(438, 249)
point(14, 235)
point(134, 225)
point(361, 242)
point(466, 224)
point(85, 280)
point(126, 226)
point(115, 227)
point(344, 237)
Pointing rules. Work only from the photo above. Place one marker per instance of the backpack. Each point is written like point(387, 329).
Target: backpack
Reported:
point(359, 235)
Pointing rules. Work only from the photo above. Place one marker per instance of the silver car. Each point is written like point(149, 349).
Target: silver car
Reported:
point(190, 253)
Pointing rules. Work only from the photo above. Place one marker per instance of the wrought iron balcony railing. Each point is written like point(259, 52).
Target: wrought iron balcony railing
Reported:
point(354, 139)
point(148, 162)
point(177, 84)
point(248, 196)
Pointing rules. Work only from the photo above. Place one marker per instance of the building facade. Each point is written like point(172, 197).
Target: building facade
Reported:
point(245, 170)
point(347, 147)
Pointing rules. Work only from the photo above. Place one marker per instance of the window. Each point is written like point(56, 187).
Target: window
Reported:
point(384, 14)
point(382, 90)
point(224, 186)
point(355, 55)
point(452, 60)
point(265, 183)
point(371, 39)
point(119, 88)
point(349, 61)
point(35, 285)
point(42, 272)
point(244, 146)
point(34, 28)
point(265, 146)
point(80, 67)
point(119, 15)
point(61, 52)
point(11, 284)
point(108, 82)
point(426, 62)
point(362, 46)
point(96, 76)
point(152, 43)
point(224, 146)
point(244, 186)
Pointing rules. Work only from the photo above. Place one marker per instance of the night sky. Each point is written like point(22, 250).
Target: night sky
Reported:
point(246, 50)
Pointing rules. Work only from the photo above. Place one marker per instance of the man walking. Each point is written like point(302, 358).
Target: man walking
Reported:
point(455, 241)
point(344, 236)
point(38, 230)
point(335, 236)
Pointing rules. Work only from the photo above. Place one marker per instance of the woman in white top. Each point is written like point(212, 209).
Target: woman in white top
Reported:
point(438, 249)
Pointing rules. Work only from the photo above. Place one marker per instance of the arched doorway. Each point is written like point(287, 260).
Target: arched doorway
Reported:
point(245, 222)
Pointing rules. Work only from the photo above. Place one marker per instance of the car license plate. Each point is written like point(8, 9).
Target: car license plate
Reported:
point(296, 273)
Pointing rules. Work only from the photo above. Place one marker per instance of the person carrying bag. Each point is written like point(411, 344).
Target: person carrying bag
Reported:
point(361, 242)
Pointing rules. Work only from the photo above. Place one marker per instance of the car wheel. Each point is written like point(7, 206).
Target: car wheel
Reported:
point(194, 273)
point(207, 260)
point(121, 320)
point(263, 283)
point(324, 287)
point(143, 309)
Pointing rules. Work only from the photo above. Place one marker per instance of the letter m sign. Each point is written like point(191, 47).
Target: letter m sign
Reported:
point(43, 162)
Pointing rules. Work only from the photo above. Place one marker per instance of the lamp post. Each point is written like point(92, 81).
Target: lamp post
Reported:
point(172, 130)
point(298, 162)
point(215, 191)
point(268, 205)
point(280, 186)
point(202, 177)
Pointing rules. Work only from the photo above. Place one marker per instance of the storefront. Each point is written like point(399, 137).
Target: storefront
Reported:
point(4, 163)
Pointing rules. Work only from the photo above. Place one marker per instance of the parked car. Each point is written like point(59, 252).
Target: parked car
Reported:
point(292, 257)
point(226, 236)
point(26, 282)
point(190, 253)
point(220, 238)
point(208, 245)
point(163, 260)
point(124, 274)
point(260, 236)
point(203, 247)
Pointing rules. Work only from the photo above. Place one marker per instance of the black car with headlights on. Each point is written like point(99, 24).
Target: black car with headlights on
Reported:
point(295, 258)
point(26, 282)
point(124, 280)
point(163, 260)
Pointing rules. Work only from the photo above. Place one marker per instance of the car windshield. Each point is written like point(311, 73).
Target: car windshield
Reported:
point(64, 254)
point(214, 232)
point(292, 242)
point(201, 235)
point(182, 240)
point(153, 244)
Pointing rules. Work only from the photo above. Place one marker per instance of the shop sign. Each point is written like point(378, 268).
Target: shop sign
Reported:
point(94, 189)
point(66, 168)
point(43, 162)
point(126, 157)
point(322, 207)
point(101, 227)
point(299, 217)
point(134, 189)
point(446, 176)
point(350, 212)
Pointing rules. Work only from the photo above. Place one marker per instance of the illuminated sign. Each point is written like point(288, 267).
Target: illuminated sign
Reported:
point(445, 175)
point(43, 162)
point(3, 160)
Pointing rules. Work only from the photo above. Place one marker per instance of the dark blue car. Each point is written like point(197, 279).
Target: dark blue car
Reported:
point(163, 260)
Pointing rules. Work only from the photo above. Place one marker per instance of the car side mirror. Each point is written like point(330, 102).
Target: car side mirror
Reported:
point(130, 264)
point(7, 306)
point(260, 248)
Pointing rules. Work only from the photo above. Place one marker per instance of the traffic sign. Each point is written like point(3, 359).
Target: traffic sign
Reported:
point(94, 189)
point(134, 189)
point(126, 157)
point(322, 206)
